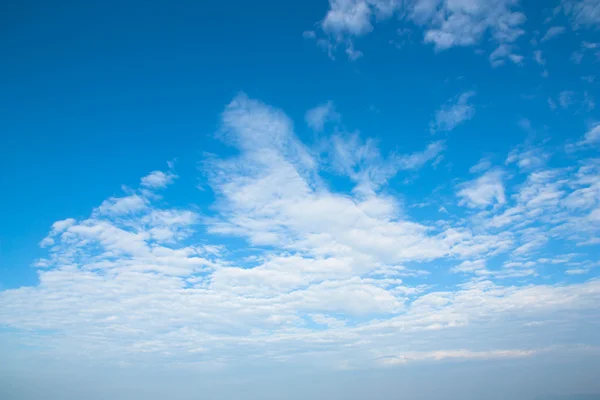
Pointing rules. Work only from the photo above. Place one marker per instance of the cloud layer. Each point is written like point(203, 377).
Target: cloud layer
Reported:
point(287, 269)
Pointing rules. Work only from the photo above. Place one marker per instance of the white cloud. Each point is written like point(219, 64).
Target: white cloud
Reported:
point(528, 157)
point(553, 32)
point(537, 55)
point(476, 267)
point(122, 205)
point(453, 113)
point(158, 179)
point(532, 243)
point(577, 57)
point(565, 98)
point(462, 23)
point(348, 17)
point(516, 58)
point(498, 56)
point(583, 12)
point(454, 354)
point(483, 165)
point(484, 191)
point(417, 160)
point(321, 277)
point(502, 53)
point(591, 137)
point(446, 23)
point(318, 116)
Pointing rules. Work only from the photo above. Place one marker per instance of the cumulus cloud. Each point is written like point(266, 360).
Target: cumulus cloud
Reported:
point(465, 23)
point(348, 16)
point(318, 271)
point(445, 23)
point(484, 191)
point(122, 205)
point(158, 179)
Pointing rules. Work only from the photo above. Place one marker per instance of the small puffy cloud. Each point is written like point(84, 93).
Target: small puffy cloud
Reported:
point(60, 226)
point(453, 113)
point(498, 56)
point(158, 179)
point(317, 117)
point(122, 205)
point(446, 23)
point(352, 53)
point(451, 23)
point(348, 17)
point(502, 53)
point(553, 32)
point(477, 267)
point(484, 191)
point(566, 98)
point(516, 58)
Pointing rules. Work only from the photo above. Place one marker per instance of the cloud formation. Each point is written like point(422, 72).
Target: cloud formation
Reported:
point(453, 113)
point(318, 116)
point(445, 23)
point(350, 275)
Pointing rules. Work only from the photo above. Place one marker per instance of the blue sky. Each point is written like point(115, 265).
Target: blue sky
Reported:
point(371, 188)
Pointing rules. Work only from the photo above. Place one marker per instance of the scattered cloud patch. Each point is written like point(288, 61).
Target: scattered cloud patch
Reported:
point(453, 113)
point(445, 23)
point(317, 117)
point(324, 275)
point(158, 179)
point(484, 191)
point(553, 32)
point(583, 13)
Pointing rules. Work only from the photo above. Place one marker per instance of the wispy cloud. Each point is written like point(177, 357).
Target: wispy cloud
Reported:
point(453, 113)
point(553, 32)
point(318, 116)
